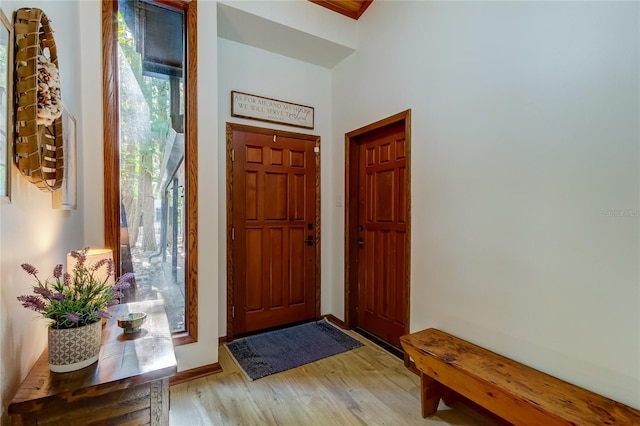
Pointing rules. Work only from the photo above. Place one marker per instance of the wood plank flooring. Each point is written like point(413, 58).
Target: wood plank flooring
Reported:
point(365, 386)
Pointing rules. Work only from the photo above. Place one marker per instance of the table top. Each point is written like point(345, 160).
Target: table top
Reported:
point(124, 361)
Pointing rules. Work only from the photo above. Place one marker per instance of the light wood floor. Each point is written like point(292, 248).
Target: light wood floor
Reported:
point(364, 386)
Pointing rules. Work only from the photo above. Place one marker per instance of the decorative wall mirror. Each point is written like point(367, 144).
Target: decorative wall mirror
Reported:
point(6, 106)
point(38, 145)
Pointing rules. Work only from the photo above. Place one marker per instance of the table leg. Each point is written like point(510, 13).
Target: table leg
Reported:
point(160, 402)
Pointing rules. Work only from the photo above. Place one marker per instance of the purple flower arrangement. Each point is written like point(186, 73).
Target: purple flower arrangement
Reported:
point(78, 298)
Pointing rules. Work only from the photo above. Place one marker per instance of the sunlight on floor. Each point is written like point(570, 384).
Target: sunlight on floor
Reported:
point(364, 386)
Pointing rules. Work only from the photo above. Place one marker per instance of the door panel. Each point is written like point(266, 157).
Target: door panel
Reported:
point(382, 258)
point(274, 213)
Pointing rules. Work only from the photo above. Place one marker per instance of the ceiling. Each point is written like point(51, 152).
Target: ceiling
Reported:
point(351, 8)
point(246, 28)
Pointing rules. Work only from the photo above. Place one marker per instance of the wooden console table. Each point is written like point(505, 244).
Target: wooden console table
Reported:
point(128, 385)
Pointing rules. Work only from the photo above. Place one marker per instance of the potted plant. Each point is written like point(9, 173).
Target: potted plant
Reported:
point(75, 303)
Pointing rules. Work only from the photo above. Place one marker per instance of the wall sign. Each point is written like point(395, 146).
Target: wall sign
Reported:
point(265, 109)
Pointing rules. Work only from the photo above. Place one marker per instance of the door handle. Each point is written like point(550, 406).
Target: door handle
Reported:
point(361, 242)
point(309, 240)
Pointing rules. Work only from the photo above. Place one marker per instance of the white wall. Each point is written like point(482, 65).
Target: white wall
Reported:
point(30, 230)
point(205, 351)
point(91, 120)
point(525, 134)
point(247, 69)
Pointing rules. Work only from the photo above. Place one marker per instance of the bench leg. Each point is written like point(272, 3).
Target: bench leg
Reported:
point(430, 393)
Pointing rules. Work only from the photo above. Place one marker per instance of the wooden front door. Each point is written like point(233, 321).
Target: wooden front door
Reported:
point(274, 228)
point(378, 230)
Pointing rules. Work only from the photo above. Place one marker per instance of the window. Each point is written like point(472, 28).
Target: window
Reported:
point(150, 158)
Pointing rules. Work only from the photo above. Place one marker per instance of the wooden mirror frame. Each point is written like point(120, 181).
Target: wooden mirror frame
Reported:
point(39, 145)
point(111, 127)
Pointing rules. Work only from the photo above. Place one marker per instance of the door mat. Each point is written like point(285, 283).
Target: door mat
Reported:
point(276, 351)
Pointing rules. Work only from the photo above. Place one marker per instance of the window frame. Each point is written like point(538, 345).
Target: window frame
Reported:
point(110, 108)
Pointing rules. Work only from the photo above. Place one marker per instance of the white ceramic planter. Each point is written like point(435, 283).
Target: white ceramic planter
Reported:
point(74, 348)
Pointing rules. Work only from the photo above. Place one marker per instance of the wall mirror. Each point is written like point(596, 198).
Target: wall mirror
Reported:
point(6, 107)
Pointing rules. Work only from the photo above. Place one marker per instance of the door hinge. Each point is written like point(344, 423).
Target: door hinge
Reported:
point(233, 155)
point(233, 234)
point(233, 312)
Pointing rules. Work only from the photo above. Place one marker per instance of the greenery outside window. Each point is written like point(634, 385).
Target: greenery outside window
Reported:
point(150, 198)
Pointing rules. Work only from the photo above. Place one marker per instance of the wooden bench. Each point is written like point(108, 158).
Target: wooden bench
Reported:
point(514, 392)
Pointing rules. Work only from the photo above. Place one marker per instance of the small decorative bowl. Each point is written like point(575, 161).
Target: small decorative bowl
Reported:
point(131, 322)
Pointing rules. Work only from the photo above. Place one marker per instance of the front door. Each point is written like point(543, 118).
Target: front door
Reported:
point(382, 233)
point(274, 228)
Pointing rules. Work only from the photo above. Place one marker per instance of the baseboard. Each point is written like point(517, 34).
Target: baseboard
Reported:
point(222, 340)
point(195, 373)
point(336, 321)
point(384, 345)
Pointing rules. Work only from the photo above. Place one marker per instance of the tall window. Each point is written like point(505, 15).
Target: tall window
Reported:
point(150, 152)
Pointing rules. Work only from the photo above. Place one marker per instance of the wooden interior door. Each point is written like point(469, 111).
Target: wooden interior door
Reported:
point(382, 232)
point(274, 229)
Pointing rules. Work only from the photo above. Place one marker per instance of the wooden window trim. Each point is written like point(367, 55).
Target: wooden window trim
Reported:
point(112, 154)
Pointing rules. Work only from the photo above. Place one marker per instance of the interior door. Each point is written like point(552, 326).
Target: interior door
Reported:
point(274, 226)
point(382, 217)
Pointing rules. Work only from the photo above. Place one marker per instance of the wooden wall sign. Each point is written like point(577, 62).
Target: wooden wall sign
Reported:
point(271, 110)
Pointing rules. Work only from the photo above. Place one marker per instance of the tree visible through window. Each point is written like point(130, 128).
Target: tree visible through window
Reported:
point(152, 185)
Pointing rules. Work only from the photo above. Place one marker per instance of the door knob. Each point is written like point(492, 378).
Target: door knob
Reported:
point(309, 240)
point(361, 242)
